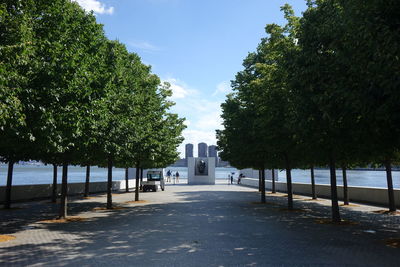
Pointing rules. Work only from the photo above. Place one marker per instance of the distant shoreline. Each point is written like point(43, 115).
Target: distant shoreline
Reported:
point(362, 169)
point(34, 163)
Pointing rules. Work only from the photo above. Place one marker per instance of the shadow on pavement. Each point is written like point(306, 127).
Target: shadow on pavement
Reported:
point(206, 228)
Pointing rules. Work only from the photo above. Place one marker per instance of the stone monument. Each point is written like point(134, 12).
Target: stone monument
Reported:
point(201, 171)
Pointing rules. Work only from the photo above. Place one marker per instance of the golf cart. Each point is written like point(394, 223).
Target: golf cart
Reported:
point(155, 179)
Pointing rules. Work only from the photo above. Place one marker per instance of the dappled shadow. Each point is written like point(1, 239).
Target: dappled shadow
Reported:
point(22, 218)
point(204, 228)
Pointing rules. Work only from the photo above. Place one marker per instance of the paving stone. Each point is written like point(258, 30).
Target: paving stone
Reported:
point(197, 226)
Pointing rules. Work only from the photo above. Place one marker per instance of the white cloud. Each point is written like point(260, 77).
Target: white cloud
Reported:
point(210, 121)
point(223, 88)
point(179, 89)
point(96, 6)
point(144, 46)
point(202, 113)
point(194, 136)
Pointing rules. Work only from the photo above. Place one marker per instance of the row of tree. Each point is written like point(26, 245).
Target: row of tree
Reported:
point(68, 95)
point(322, 90)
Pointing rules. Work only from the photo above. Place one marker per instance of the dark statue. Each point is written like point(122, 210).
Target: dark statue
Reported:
point(201, 167)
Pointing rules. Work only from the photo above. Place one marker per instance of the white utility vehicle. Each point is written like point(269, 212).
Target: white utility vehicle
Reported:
point(155, 180)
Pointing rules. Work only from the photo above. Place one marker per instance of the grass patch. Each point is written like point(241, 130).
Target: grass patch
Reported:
point(294, 197)
point(310, 199)
point(113, 208)
point(349, 205)
point(89, 197)
point(393, 242)
point(66, 220)
point(292, 210)
point(263, 203)
point(387, 212)
point(136, 202)
point(329, 221)
point(6, 238)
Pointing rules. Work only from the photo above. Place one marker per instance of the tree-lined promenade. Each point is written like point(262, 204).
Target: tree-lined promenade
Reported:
point(69, 95)
point(322, 90)
point(198, 225)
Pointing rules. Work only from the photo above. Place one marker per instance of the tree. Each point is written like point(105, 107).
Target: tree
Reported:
point(239, 132)
point(114, 111)
point(261, 112)
point(313, 192)
point(15, 53)
point(372, 45)
point(277, 109)
point(69, 96)
point(328, 118)
point(154, 144)
point(66, 41)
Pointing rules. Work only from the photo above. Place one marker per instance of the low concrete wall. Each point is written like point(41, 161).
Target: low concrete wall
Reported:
point(372, 195)
point(254, 173)
point(42, 191)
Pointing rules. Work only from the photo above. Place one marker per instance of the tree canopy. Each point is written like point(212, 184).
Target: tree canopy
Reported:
point(68, 95)
point(321, 90)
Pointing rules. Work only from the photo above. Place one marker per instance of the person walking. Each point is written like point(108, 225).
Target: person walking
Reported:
point(177, 177)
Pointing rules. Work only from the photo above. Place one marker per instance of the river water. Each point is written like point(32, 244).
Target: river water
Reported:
point(354, 178)
point(40, 174)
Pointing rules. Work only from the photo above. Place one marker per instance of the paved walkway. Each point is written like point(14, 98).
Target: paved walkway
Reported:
point(221, 225)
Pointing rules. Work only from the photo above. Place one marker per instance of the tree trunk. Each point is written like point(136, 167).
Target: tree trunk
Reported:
point(289, 183)
point(392, 204)
point(314, 194)
point(64, 192)
point(54, 193)
point(87, 181)
point(345, 189)
point(263, 185)
point(273, 182)
point(137, 186)
point(126, 181)
point(141, 178)
point(109, 182)
point(334, 197)
point(7, 202)
point(259, 181)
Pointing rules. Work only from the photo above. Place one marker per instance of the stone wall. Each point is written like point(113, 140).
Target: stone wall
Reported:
point(372, 195)
point(42, 191)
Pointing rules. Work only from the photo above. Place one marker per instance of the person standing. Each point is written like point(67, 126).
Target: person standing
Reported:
point(177, 177)
point(231, 179)
point(168, 176)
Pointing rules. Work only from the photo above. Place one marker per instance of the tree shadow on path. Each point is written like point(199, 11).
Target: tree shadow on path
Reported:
point(205, 228)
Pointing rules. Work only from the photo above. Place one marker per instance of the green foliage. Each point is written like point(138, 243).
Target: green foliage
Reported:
point(372, 46)
point(321, 90)
point(69, 95)
point(258, 118)
point(15, 52)
point(322, 86)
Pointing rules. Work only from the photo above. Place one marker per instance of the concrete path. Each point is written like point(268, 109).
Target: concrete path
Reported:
point(221, 225)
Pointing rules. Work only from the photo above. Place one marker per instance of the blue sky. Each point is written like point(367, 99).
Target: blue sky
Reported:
point(196, 45)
